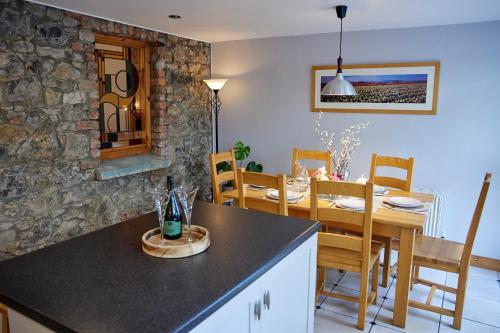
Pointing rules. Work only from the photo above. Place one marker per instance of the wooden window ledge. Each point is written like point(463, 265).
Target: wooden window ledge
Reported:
point(121, 167)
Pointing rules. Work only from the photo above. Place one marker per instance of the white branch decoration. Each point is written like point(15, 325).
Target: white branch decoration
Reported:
point(349, 141)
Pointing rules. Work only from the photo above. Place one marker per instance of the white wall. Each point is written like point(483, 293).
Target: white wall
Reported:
point(266, 104)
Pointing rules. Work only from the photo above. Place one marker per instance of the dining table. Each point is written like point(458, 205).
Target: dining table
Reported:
point(397, 224)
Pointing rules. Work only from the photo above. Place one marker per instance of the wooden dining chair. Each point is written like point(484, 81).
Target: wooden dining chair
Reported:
point(314, 155)
point(449, 256)
point(219, 178)
point(5, 318)
point(392, 162)
point(279, 207)
point(395, 183)
point(347, 252)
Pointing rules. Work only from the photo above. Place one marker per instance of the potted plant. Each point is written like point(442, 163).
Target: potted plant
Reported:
point(241, 153)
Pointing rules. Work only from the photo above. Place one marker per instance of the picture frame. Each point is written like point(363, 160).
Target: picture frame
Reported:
point(393, 88)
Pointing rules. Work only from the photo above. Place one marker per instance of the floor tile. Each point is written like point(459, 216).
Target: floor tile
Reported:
point(322, 298)
point(383, 329)
point(477, 286)
point(468, 326)
point(349, 308)
point(327, 322)
point(417, 320)
point(394, 257)
point(434, 275)
point(350, 280)
point(419, 293)
point(477, 309)
point(333, 276)
point(481, 311)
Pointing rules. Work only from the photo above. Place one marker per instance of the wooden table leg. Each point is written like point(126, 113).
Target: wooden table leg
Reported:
point(407, 238)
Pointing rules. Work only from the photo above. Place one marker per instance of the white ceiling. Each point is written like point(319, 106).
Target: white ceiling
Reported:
point(223, 20)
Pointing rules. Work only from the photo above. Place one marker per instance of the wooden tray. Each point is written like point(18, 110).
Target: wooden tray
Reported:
point(177, 248)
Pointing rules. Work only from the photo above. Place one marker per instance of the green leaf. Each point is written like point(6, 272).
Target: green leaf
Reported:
point(223, 167)
point(241, 151)
point(254, 167)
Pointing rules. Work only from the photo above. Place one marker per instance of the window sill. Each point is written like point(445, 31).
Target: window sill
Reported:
point(130, 165)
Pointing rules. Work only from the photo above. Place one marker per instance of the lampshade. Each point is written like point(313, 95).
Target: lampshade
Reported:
point(215, 84)
point(339, 86)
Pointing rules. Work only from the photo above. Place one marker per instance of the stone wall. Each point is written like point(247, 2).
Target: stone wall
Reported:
point(48, 125)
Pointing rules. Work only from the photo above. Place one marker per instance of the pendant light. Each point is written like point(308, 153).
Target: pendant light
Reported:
point(339, 86)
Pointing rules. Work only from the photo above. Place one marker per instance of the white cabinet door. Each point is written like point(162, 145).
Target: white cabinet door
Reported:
point(287, 291)
point(286, 295)
point(237, 315)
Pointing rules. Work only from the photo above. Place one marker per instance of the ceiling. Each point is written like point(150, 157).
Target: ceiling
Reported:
point(223, 20)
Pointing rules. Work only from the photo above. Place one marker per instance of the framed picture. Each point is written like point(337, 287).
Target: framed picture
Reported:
point(404, 88)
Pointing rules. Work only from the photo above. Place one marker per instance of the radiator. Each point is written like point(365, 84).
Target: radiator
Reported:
point(433, 224)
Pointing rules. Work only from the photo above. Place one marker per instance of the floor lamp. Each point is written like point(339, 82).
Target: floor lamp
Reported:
point(215, 85)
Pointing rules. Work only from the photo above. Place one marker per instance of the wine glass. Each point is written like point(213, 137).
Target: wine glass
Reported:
point(186, 197)
point(161, 198)
point(160, 212)
point(301, 177)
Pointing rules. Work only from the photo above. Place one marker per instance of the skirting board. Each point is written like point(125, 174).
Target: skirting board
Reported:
point(486, 263)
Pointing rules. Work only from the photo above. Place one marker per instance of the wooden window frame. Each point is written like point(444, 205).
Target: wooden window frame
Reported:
point(145, 81)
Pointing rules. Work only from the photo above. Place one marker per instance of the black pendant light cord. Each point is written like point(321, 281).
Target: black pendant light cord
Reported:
point(339, 60)
point(340, 54)
point(341, 12)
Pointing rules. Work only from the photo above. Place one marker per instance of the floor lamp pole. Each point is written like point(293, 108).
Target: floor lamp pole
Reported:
point(216, 103)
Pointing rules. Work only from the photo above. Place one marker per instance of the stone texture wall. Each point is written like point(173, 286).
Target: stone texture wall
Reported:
point(48, 125)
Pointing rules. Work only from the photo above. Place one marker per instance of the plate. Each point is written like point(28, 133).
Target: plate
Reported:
point(351, 203)
point(256, 186)
point(290, 195)
point(379, 189)
point(404, 202)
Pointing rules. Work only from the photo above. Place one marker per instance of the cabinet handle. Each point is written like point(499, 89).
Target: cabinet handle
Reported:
point(267, 299)
point(257, 309)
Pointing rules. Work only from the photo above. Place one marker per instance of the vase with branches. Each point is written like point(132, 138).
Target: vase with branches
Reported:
point(349, 141)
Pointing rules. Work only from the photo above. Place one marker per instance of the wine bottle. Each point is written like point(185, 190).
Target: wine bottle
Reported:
point(172, 227)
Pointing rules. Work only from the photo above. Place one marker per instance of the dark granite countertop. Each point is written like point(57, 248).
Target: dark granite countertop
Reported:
point(103, 282)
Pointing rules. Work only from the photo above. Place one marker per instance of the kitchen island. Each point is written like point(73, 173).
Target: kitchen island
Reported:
point(259, 269)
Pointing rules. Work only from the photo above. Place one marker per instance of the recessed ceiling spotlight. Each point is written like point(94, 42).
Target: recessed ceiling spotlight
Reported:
point(174, 17)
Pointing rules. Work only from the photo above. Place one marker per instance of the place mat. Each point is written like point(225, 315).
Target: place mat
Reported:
point(265, 193)
point(292, 201)
point(423, 210)
point(376, 204)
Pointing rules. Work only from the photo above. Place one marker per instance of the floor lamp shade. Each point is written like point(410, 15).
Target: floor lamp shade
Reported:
point(215, 85)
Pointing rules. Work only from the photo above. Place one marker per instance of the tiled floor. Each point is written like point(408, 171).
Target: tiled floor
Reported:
point(481, 312)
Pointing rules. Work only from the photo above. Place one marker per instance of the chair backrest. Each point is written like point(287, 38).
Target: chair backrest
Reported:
point(269, 181)
point(361, 219)
point(471, 234)
point(314, 155)
point(219, 178)
point(393, 162)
